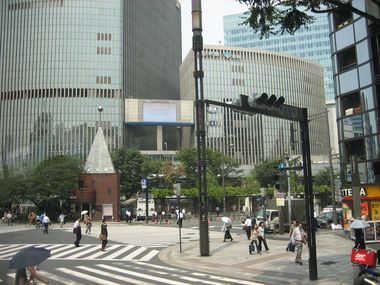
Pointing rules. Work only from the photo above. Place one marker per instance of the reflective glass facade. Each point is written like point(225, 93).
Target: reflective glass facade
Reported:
point(61, 59)
point(355, 44)
point(230, 71)
point(312, 43)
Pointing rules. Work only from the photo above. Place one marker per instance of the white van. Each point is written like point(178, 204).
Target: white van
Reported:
point(272, 220)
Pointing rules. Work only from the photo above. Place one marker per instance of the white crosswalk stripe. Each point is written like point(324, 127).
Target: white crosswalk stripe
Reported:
point(126, 252)
point(134, 272)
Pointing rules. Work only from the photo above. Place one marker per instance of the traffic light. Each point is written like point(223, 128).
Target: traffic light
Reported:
point(265, 104)
point(264, 100)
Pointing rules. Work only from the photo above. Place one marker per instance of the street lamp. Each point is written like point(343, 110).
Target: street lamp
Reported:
point(196, 12)
point(100, 110)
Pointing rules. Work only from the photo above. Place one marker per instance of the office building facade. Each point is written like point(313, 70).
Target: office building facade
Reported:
point(62, 59)
point(355, 43)
point(230, 71)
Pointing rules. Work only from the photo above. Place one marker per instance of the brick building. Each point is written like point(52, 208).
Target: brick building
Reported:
point(99, 187)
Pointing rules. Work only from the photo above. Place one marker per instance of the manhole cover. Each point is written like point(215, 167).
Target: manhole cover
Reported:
point(328, 262)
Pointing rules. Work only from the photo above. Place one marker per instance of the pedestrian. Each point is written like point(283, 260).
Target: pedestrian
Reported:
point(77, 230)
point(21, 277)
point(46, 222)
point(129, 216)
point(254, 238)
point(103, 234)
point(298, 238)
point(32, 218)
point(162, 216)
point(359, 239)
point(34, 274)
point(261, 237)
point(217, 209)
point(9, 219)
point(226, 228)
point(248, 227)
point(88, 226)
point(61, 219)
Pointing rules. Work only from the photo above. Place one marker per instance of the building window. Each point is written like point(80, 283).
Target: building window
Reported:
point(93, 184)
point(375, 46)
point(351, 104)
point(355, 147)
point(346, 58)
point(109, 191)
point(342, 18)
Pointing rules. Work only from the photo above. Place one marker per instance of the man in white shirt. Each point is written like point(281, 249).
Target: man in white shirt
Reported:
point(298, 238)
point(248, 227)
point(46, 222)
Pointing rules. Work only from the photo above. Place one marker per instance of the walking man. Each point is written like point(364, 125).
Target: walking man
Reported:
point(77, 230)
point(298, 238)
point(46, 222)
point(61, 219)
point(248, 227)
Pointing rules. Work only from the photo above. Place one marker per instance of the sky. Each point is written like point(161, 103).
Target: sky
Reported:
point(212, 21)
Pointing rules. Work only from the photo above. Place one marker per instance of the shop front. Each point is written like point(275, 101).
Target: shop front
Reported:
point(370, 210)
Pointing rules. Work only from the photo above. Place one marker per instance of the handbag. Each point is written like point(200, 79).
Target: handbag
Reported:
point(291, 247)
point(363, 256)
point(102, 237)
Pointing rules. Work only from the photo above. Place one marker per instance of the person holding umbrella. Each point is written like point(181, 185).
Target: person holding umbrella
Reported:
point(226, 228)
point(358, 226)
point(28, 258)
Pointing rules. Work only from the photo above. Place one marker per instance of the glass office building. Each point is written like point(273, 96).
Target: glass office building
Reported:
point(61, 59)
point(230, 71)
point(312, 43)
point(355, 44)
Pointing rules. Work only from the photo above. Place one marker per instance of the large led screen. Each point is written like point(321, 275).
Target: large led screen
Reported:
point(159, 112)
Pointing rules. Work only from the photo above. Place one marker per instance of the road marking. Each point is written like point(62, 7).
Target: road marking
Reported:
point(13, 251)
point(149, 255)
point(141, 275)
point(134, 253)
point(71, 251)
point(87, 277)
point(100, 253)
point(119, 252)
point(112, 275)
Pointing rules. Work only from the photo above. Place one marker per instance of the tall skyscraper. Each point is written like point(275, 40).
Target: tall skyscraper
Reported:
point(61, 59)
point(230, 71)
point(312, 43)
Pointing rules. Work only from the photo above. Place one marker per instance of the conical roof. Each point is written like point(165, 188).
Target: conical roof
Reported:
point(99, 159)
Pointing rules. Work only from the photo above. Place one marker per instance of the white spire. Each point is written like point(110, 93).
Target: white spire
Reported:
point(99, 159)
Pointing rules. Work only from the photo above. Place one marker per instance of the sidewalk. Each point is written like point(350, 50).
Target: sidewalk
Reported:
point(232, 259)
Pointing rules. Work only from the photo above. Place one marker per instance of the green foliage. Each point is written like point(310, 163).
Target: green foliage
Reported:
point(277, 17)
point(54, 177)
point(323, 177)
point(162, 192)
point(130, 164)
point(267, 173)
point(321, 188)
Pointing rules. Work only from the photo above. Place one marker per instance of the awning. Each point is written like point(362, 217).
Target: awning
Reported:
point(128, 202)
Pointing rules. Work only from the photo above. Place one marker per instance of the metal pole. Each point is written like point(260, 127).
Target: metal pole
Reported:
point(146, 205)
point(289, 193)
point(196, 13)
point(224, 187)
point(335, 220)
point(309, 202)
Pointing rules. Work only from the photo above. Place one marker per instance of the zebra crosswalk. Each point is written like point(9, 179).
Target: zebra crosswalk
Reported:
point(133, 272)
point(115, 252)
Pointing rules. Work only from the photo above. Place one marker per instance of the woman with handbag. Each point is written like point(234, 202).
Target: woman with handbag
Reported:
point(103, 234)
point(261, 237)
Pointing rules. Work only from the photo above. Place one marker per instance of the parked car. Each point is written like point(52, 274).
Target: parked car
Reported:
point(325, 219)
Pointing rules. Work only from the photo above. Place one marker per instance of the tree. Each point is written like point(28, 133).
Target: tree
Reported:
point(322, 180)
point(130, 165)
point(267, 173)
point(275, 17)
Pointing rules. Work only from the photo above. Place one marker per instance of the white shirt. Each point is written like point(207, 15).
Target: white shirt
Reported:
point(45, 220)
point(248, 222)
point(77, 223)
point(298, 234)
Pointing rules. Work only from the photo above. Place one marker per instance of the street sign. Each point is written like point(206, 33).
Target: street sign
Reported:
point(143, 183)
point(281, 167)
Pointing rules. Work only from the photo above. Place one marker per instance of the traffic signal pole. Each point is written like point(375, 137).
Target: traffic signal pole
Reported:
point(274, 107)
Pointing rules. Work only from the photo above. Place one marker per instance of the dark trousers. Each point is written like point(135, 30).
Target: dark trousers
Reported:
point(46, 228)
point(227, 235)
point(248, 231)
point(104, 243)
point(262, 240)
point(79, 237)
